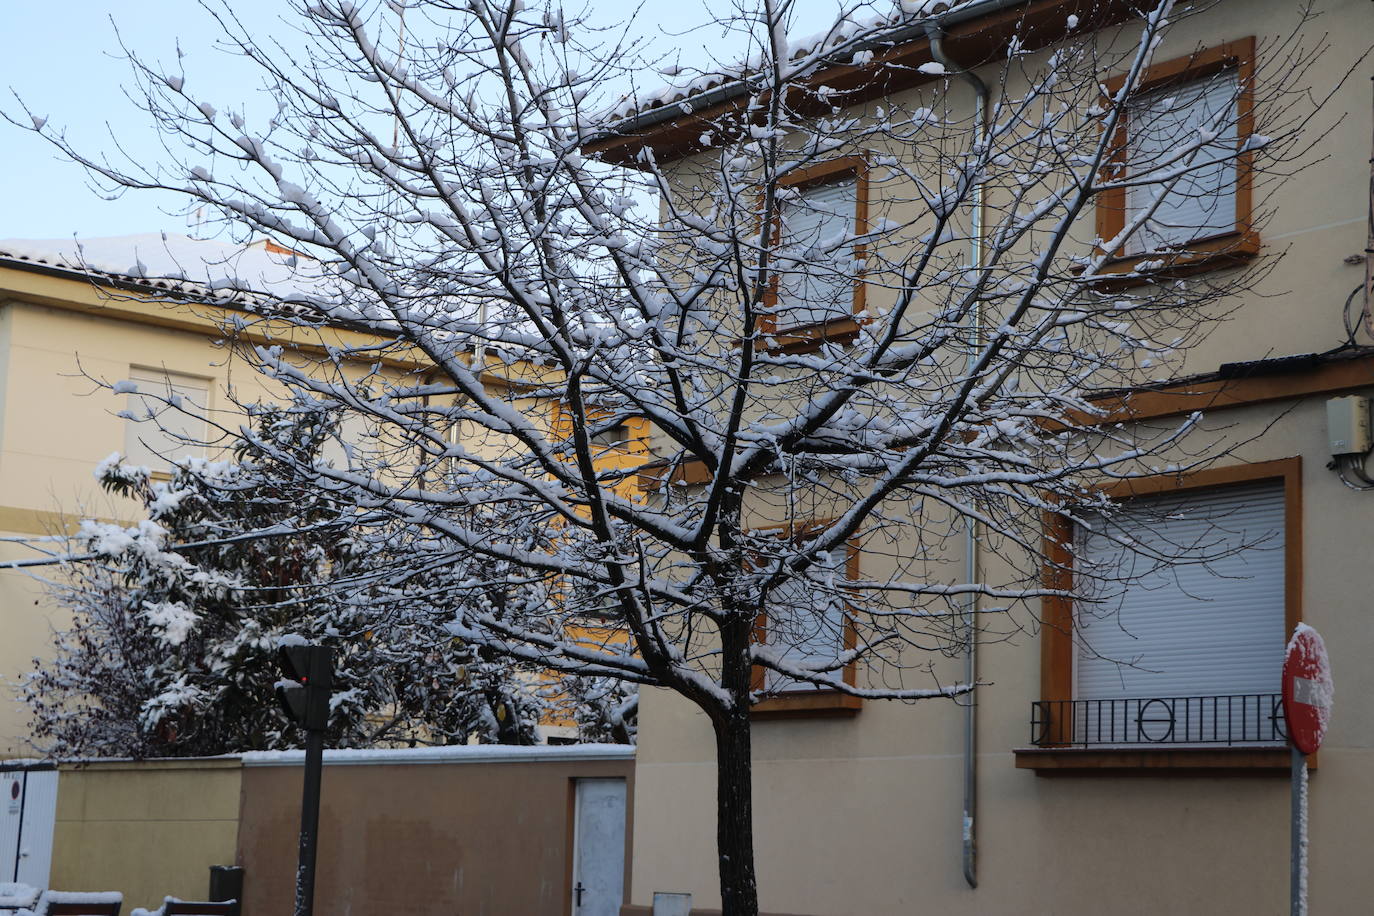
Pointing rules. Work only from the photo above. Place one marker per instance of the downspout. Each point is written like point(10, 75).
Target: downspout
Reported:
point(1369, 254)
point(970, 622)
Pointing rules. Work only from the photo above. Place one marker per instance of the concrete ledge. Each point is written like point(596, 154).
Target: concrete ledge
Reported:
point(636, 910)
point(466, 753)
point(1055, 760)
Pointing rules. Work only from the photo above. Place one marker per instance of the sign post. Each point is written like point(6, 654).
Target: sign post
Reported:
point(1307, 696)
point(304, 697)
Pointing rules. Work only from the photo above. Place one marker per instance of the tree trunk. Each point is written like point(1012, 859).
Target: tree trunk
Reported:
point(739, 893)
point(735, 815)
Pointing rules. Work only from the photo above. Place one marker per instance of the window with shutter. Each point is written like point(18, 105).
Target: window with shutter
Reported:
point(1201, 201)
point(816, 291)
point(816, 259)
point(158, 433)
point(1183, 133)
point(1181, 618)
point(805, 618)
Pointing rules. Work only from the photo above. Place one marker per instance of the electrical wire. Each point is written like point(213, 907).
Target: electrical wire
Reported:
point(1352, 328)
point(1353, 465)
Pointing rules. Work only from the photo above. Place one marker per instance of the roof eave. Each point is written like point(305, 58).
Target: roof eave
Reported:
point(974, 34)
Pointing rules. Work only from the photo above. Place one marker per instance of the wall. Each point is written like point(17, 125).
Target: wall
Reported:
point(477, 831)
point(145, 828)
point(862, 815)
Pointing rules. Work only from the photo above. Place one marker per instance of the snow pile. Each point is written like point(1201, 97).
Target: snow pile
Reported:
point(140, 911)
point(17, 895)
point(94, 898)
point(173, 618)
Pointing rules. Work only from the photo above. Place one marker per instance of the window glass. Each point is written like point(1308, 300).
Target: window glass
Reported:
point(158, 433)
point(816, 254)
point(617, 436)
point(1159, 124)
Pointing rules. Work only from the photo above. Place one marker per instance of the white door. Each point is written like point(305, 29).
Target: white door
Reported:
point(28, 811)
point(36, 828)
point(599, 847)
point(11, 814)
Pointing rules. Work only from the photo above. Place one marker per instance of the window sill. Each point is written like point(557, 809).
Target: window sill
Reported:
point(812, 705)
point(1230, 250)
point(1052, 761)
point(805, 338)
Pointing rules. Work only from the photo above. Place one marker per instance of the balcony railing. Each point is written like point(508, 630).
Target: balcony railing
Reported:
point(1252, 718)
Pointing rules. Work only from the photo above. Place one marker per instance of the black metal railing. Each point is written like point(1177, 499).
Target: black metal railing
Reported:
point(1252, 718)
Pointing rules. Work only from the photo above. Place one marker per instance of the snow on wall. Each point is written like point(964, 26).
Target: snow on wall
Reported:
point(467, 753)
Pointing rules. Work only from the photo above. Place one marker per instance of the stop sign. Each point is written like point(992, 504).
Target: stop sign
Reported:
point(1307, 689)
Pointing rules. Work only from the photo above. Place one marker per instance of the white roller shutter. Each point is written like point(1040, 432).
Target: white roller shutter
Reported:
point(806, 618)
point(815, 264)
point(1159, 124)
point(1210, 626)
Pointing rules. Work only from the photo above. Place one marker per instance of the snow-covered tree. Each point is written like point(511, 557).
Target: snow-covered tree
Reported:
point(862, 326)
point(175, 625)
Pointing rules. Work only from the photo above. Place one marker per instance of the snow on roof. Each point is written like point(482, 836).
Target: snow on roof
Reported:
point(683, 87)
point(462, 753)
point(177, 263)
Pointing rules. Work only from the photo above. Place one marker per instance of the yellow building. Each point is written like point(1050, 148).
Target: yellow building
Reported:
point(861, 808)
point(70, 321)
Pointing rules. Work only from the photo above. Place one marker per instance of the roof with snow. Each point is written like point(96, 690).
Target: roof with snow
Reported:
point(857, 58)
point(682, 85)
point(177, 264)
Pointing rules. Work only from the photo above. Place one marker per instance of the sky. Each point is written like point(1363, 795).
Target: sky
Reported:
point(63, 60)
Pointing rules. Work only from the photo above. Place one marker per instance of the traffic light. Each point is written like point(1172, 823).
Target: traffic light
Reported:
point(304, 694)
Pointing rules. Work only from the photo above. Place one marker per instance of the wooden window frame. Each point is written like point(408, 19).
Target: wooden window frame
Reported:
point(810, 336)
point(1057, 622)
point(1223, 249)
point(813, 702)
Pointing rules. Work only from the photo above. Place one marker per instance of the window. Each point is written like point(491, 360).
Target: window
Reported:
point(158, 433)
point(1203, 202)
point(1205, 213)
point(613, 437)
point(354, 441)
point(818, 290)
point(1183, 601)
point(806, 620)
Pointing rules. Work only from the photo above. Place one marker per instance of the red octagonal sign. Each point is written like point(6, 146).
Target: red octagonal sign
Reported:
point(1307, 689)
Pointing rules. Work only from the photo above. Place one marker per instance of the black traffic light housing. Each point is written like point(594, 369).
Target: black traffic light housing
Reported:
point(309, 676)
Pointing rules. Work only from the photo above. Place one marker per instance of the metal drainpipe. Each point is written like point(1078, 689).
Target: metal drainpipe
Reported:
point(970, 860)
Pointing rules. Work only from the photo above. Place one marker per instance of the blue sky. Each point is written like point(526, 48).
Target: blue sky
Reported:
point(62, 58)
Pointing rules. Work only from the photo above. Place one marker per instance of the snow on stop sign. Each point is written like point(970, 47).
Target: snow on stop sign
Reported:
point(1307, 689)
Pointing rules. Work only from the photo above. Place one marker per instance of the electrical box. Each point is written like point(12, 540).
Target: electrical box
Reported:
point(1347, 425)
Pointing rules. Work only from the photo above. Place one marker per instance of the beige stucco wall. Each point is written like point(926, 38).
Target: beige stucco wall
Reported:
point(147, 829)
point(863, 815)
